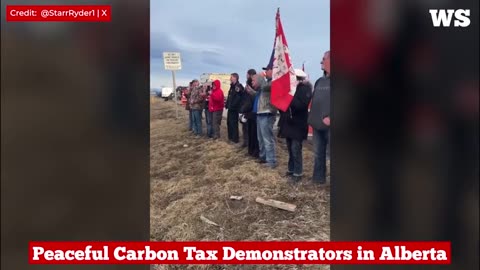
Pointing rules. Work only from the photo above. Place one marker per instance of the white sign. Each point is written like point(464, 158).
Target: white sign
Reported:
point(172, 61)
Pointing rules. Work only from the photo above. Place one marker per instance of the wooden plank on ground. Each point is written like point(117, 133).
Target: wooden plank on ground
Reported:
point(238, 198)
point(277, 204)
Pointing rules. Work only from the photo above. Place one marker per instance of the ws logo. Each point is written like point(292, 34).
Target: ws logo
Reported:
point(443, 17)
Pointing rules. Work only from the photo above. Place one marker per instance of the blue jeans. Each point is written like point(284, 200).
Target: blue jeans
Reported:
point(208, 120)
point(295, 157)
point(320, 141)
point(197, 122)
point(266, 139)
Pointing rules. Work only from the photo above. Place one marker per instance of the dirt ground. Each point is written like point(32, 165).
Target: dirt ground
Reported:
point(193, 177)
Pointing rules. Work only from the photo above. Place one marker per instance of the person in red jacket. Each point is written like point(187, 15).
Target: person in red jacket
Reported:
point(215, 106)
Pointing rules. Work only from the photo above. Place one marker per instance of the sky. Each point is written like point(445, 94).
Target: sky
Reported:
point(234, 36)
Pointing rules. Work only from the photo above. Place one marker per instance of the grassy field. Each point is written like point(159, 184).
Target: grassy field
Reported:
point(195, 177)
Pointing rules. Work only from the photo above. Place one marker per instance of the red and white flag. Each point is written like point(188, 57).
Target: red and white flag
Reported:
point(284, 81)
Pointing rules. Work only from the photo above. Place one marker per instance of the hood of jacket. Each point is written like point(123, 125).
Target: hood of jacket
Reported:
point(217, 85)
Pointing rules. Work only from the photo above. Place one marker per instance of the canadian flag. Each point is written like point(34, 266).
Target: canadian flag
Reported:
point(284, 81)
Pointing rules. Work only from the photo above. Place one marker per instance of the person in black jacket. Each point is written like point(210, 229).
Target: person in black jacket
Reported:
point(234, 101)
point(319, 119)
point(294, 127)
point(246, 108)
point(250, 127)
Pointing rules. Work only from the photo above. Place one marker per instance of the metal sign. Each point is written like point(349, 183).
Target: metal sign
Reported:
point(172, 61)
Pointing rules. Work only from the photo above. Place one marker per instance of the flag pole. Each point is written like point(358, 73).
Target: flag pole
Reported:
point(276, 20)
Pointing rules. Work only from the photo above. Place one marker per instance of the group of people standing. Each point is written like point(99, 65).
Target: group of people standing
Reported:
point(205, 99)
point(250, 107)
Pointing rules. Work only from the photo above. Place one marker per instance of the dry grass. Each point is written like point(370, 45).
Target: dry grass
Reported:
point(187, 182)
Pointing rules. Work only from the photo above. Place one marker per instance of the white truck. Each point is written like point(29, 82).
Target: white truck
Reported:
point(167, 93)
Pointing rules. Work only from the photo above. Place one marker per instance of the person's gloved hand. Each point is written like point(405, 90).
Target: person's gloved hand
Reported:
point(242, 118)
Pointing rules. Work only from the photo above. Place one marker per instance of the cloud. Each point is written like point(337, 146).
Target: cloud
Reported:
point(216, 36)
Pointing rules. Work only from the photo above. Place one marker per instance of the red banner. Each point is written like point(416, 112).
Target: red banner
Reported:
point(239, 253)
point(284, 81)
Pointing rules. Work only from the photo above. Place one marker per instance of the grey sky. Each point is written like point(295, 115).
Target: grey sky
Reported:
point(235, 35)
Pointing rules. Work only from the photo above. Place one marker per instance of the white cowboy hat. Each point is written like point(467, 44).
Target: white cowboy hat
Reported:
point(300, 73)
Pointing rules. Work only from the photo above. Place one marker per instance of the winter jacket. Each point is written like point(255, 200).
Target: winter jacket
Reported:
point(264, 105)
point(247, 104)
point(197, 99)
point(320, 104)
point(217, 99)
point(235, 97)
point(294, 122)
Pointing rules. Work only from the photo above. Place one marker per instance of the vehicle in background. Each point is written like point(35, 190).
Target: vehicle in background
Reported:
point(156, 92)
point(224, 79)
point(167, 93)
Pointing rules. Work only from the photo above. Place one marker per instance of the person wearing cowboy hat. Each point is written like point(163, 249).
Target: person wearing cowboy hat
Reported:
point(293, 126)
